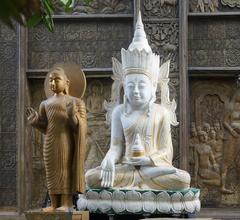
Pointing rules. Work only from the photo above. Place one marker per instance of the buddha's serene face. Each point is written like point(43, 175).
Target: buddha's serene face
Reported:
point(138, 89)
point(57, 81)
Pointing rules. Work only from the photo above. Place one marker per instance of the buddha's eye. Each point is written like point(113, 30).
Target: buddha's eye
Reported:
point(141, 85)
point(130, 86)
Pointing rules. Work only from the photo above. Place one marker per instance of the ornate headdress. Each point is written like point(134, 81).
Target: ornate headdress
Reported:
point(139, 58)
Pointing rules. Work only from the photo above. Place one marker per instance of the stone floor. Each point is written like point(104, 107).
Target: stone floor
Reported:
point(206, 214)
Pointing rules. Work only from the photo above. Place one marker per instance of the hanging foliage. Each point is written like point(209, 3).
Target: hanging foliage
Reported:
point(31, 12)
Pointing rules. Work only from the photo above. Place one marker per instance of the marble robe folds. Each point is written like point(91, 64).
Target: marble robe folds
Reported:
point(155, 133)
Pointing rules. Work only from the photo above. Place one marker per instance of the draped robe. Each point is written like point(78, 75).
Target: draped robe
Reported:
point(64, 147)
point(155, 133)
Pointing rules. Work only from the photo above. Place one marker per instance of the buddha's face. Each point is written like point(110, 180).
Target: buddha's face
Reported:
point(138, 89)
point(58, 81)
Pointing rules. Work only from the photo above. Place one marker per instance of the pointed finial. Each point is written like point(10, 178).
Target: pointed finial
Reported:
point(139, 41)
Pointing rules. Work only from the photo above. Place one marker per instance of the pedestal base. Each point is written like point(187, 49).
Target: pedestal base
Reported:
point(116, 201)
point(40, 215)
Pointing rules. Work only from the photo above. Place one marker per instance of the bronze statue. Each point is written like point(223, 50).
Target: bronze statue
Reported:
point(62, 118)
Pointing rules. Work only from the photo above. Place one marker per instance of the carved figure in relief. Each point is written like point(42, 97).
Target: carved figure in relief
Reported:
point(62, 118)
point(216, 146)
point(95, 99)
point(168, 2)
point(205, 6)
point(206, 168)
point(231, 149)
point(231, 3)
point(194, 135)
point(192, 145)
point(206, 127)
point(218, 129)
point(199, 129)
point(141, 152)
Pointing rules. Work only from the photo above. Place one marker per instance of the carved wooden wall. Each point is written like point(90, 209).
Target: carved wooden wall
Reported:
point(90, 37)
point(8, 117)
point(214, 63)
point(91, 41)
point(161, 23)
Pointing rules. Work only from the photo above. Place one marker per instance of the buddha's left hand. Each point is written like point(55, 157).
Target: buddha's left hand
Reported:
point(140, 161)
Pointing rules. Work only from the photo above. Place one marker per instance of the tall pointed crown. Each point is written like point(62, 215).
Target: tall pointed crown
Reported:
point(139, 58)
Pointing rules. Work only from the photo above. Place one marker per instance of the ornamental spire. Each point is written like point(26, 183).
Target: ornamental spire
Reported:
point(139, 41)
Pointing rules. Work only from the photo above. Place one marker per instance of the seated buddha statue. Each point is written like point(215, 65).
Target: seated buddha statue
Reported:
point(141, 152)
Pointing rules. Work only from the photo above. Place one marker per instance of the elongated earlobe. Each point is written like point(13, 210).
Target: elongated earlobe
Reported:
point(66, 90)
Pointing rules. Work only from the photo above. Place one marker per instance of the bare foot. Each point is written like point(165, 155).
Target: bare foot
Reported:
point(63, 209)
point(226, 191)
point(48, 209)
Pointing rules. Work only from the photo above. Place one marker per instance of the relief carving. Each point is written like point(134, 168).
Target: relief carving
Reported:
point(86, 43)
point(99, 7)
point(8, 99)
point(7, 34)
point(98, 136)
point(214, 141)
point(163, 39)
point(233, 57)
point(214, 43)
point(38, 172)
point(204, 5)
point(231, 3)
point(160, 8)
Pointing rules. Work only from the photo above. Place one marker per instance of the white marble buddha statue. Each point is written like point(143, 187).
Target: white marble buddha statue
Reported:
point(141, 152)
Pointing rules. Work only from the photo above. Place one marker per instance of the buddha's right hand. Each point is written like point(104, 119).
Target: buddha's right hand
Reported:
point(32, 115)
point(107, 172)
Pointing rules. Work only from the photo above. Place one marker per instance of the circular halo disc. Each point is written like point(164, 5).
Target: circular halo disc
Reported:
point(76, 77)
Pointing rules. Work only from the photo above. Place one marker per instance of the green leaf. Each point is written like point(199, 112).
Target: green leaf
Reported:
point(65, 2)
point(48, 7)
point(48, 21)
point(50, 4)
point(68, 5)
point(34, 20)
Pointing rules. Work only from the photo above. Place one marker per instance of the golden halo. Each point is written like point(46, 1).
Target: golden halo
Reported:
point(76, 77)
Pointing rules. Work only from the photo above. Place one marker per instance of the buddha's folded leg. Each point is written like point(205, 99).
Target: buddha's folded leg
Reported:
point(179, 180)
point(124, 176)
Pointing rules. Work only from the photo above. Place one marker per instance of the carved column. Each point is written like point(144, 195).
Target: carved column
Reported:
point(184, 91)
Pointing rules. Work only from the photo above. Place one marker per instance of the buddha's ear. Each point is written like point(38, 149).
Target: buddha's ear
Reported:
point(68, 82)
point(67, 86)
